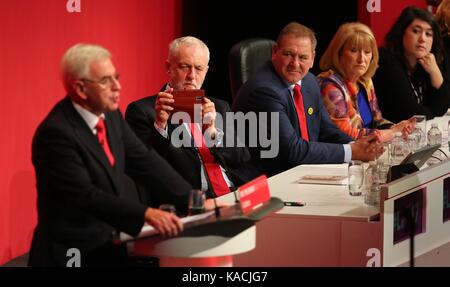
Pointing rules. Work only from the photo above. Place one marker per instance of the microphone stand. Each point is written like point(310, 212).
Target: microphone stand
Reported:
point(411, 228)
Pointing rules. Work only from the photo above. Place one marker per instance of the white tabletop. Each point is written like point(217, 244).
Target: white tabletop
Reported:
point(321, 200)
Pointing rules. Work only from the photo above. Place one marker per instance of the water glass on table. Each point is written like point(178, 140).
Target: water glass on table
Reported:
point(384, 163)
point(355, 177)
point(197, 200)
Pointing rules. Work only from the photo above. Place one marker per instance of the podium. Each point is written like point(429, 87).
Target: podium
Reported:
point(206, 240)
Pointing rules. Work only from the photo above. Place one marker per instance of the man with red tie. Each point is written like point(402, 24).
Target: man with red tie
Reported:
point(209, 167)
point(81, 152)
point(285, 87)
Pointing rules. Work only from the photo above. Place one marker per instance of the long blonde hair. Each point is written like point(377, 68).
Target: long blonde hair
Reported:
point(356, 34)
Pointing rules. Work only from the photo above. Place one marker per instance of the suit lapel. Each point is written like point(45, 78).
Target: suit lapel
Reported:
point(90, 141)
point(188, 150)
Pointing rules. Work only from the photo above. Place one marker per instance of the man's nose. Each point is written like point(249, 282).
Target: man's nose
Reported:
point(191, 73)
point(115, 84)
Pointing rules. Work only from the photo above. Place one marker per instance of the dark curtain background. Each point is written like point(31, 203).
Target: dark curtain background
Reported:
point(221, 24)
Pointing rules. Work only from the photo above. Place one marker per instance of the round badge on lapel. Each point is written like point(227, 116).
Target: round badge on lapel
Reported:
point(310, 111)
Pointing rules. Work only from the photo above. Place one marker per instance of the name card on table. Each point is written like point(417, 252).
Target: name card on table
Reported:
point(253, 194)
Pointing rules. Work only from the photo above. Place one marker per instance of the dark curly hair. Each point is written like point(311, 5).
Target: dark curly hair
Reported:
point(393, 41)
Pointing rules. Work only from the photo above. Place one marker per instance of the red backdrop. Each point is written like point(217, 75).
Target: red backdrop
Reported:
point(380, 22)
point(33, 36)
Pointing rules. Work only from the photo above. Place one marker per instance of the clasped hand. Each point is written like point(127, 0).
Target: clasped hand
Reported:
point(367, 148)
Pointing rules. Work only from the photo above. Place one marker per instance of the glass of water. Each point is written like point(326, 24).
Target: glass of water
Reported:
point(196, 201)
point(355, 177)
point(384, 163)
point(420, 130)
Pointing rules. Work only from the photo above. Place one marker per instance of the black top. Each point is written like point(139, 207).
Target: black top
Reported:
point(398, 93)
point(446, 40)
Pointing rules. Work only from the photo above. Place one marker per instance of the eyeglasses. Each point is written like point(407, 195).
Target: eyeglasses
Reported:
point(105, 82)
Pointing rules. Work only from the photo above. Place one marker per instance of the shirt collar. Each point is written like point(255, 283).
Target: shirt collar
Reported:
point(291, 86)
point(90, 118)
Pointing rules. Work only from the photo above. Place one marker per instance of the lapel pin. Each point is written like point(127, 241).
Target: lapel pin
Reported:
point(310, 111)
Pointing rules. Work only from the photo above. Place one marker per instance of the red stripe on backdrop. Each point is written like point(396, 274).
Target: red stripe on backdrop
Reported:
point(34, 35)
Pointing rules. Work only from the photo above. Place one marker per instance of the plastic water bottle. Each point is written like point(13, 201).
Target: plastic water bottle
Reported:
point(434, 137)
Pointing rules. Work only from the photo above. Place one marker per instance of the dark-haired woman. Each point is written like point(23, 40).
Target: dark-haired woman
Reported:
point(409, 80)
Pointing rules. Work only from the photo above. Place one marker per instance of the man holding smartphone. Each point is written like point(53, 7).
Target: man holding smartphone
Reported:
point(207, 167)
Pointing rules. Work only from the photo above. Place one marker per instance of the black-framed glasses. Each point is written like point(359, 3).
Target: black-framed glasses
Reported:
point(105, 82)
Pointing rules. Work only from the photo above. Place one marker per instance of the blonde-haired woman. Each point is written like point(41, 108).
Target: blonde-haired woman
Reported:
point(348, 65)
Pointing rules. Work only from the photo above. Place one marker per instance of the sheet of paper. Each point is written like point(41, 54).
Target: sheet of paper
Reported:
point(148, 230)
point(323, 179)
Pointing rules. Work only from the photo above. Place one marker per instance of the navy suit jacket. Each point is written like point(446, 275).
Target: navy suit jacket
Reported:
point(82, 200)
point(265, 91)
point(141, 114)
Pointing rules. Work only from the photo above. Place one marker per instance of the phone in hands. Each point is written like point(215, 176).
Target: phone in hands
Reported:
point(185, 100)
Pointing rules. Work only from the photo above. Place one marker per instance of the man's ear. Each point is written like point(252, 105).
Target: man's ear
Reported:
point(79, 89)
point(167, 67)
point(313, 58)
point(274, 50)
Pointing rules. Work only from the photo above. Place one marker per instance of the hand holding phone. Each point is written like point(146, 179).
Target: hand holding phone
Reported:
point(185, 101)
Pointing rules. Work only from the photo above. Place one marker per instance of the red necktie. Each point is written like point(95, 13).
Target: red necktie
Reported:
point(298, 101)
point(101, 135)
point(213, 169)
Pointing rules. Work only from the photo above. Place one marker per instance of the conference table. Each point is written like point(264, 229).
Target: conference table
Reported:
point(334, 228)
point(321, 232)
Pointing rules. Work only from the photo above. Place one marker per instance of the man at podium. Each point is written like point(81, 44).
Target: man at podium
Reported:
point(80, 153)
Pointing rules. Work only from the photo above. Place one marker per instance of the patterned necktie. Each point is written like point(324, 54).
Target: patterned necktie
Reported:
point(213, 170)
point(298, 101)
point(103, 140)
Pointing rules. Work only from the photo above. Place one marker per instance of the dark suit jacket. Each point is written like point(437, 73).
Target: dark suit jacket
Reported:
point(82, 200)
point(396, 97)
point(267, 92)
point(141, 114)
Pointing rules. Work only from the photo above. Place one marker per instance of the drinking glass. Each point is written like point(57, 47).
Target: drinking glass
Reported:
point(355, 177)
point(384, 163)
point(196, 201)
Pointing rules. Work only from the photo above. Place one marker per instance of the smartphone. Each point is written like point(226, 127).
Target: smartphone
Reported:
point(185, 100)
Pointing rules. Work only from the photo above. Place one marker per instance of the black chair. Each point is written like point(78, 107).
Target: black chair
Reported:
point(245, 58)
